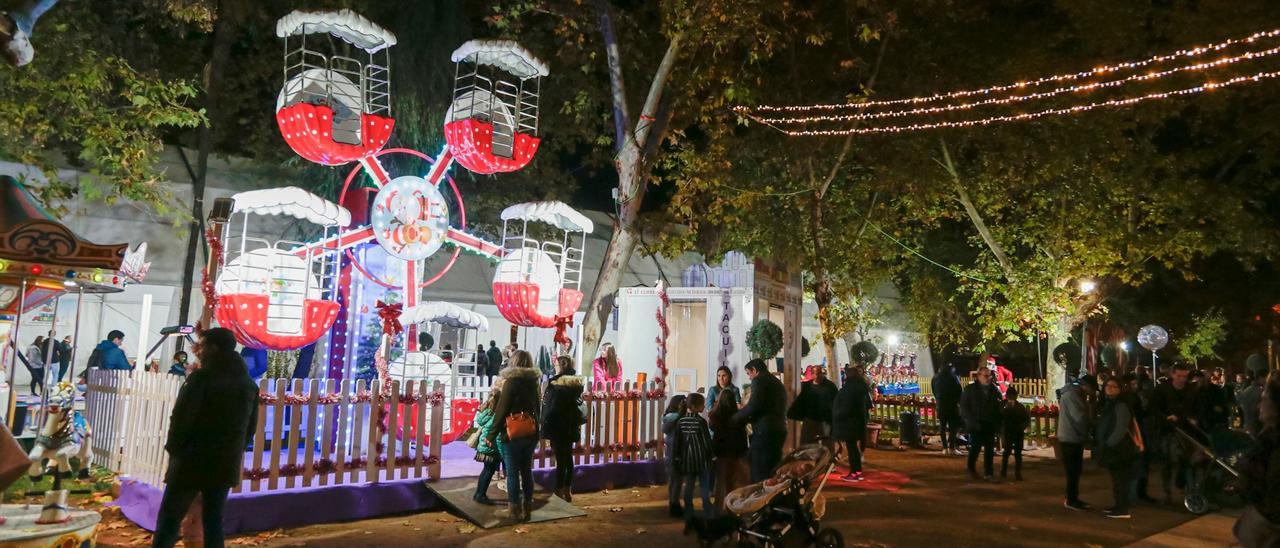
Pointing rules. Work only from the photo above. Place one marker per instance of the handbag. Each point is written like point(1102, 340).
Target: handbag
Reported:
point(521, 425)
point(474, 440)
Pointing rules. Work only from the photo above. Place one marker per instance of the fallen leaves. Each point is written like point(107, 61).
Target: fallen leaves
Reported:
point(641, 531)
point(521, 530)
point(616, 509)
point(467, 528)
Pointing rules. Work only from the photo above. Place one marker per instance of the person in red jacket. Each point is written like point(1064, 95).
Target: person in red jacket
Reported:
point(1003, 376)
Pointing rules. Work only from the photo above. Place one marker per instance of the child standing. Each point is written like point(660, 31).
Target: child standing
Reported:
point(693, 454)
point(1016, 419)
point(675, 408)
point(490, 454)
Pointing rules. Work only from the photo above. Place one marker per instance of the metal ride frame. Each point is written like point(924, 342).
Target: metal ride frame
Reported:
point(373, 79)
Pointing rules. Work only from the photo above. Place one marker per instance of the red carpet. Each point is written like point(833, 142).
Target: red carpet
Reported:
point(876, 480)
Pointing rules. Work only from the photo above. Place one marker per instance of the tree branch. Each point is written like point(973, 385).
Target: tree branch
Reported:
point(621, 114)
point(974, 216)
point(848, 141)
point(648, 113)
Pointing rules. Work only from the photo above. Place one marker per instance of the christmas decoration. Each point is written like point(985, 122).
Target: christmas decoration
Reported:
point(764, 340)
point(663, 333)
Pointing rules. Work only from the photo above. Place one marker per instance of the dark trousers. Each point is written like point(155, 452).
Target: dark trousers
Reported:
point(949, 429)
point(1120, 476)
point(486, 477)
point(854, 447)
point(1073, 465)
point(703, 479)
point(564, 463)
point(985, 441)
point(37, 379)
point(173, 507)
point(1173, 472)
point(517, 456)
point(766, 451)
point(1012, 446)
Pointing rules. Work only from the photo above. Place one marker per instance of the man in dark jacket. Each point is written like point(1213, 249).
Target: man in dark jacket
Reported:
point(766, 412)
point(813, 405)
point(494, 358)
point(108, 354)
point(946, 393)
point(1173, 405)
point(980, 408)
point(213, 420)
point(849, 415)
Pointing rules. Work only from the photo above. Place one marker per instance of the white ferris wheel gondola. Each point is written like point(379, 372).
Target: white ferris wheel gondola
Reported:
point(538, 282)
point(492, 126)
point(334, 108)
point(278, 295)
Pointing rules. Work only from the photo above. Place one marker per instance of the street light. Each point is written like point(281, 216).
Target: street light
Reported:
point(1087, 286)
point(893, 340)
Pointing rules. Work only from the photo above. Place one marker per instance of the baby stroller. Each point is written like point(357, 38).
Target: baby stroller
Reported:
point(1212, 478)
point(785, 510)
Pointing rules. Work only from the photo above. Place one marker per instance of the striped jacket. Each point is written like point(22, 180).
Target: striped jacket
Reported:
point(695, 444)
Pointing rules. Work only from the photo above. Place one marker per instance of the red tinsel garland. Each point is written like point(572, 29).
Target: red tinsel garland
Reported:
point(207, 285)
point(663, 333)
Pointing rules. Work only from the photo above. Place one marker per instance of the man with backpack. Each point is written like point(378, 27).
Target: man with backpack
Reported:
point(108, 354)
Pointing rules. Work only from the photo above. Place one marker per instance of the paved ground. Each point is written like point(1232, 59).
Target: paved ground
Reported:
point(937, 506)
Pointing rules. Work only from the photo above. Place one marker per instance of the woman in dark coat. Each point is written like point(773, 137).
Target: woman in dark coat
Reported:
point(849, 419)
point(1259, 525)
point(213, 421)
point(562, 421)
point(728, 446)
point(1115, 446)
point(519, 397)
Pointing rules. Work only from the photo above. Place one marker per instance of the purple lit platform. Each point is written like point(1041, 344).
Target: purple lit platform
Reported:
point(296, 507)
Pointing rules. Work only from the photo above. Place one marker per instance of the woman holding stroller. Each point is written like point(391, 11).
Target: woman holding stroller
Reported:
point(1260, 524)
point(849, 419)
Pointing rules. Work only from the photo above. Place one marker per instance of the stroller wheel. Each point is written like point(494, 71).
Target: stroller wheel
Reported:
point(829, 538)
point(1196, 504)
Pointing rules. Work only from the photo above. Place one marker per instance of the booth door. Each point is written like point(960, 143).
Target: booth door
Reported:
point(687, 346)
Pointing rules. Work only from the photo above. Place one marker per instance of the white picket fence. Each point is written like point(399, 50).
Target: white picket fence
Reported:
point(317, 432)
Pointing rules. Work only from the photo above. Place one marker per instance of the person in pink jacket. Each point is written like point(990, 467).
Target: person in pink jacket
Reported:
point(607, 368)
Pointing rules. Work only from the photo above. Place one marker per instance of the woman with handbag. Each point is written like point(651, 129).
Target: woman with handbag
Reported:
point(1118, 444)
point(1259, 525)
point(516, 424)
point(562, 422)
point(487, 453)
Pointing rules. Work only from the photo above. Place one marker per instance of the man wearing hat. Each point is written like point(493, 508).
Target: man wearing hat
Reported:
point(1073, 432)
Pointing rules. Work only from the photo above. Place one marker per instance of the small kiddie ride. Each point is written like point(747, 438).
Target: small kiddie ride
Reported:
point(423, 365)
point(271, 297)
point(538, 282)
point(786, 510)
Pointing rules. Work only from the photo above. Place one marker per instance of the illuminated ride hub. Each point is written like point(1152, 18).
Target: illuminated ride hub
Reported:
point(335, 105)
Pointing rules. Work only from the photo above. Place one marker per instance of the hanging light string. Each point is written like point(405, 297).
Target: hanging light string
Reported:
point(1207, 86)
point(1145, 77)
point(1067, 77)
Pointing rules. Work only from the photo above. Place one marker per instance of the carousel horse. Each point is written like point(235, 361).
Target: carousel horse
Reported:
point(65, 434)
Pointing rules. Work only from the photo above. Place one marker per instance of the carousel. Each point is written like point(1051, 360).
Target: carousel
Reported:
point(42, 261)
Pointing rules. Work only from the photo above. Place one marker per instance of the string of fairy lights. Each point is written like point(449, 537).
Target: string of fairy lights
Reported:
point(798, 120)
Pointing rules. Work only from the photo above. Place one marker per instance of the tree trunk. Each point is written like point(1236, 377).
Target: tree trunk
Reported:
point(634, 157)
point(213, 75)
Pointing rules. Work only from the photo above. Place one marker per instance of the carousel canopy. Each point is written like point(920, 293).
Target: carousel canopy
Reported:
point(445, 314)
point(28, 233)
point(557, 214)
point(292, 201)
point(504, 54)
point(348, 25)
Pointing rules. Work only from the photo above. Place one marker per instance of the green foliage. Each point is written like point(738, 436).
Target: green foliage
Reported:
point(82, 102)
point(280, 363)
point(1208, 330)
point(764, 339)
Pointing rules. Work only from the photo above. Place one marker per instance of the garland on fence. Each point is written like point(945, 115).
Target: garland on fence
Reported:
point(434, 399)
point(327, 466)
point(599, 449)
point(207, 285)
point(629, 395)
point(663, 332)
